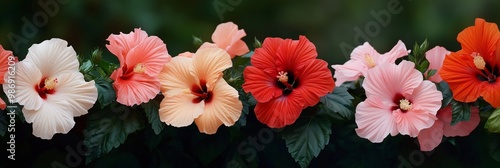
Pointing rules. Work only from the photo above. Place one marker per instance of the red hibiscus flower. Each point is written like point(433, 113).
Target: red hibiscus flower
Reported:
point(285, 77)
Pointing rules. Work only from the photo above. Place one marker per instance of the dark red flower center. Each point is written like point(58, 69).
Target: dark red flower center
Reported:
point(486, 72)
point(201, 92)
point(46, 86)
point(402, 103)
point(287, 82)
point(128, 72)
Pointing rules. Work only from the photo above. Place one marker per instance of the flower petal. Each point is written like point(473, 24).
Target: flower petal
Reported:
point(280, 112)
point(481, 38)
point(292, 53)
point(208, 65)
point(350, 71)
point(491, 93)
point(436, 56)
point(412, 121)
point(2, 104)
point(27, 77)
point(227, 36)
point(260, 84)
point(175, 76)
point(361, 51)
point(224, 108)
point(374, 120)
point(315, 80)
point(463, 128)
point(179, 110)
point(265, 57)
point(431, 137)
point(121, 44)
point(4, 62)
point(388, 80)
point(139, 88)
point(52, 57)
point(151, 52)
point(53, 117)
point(80, 95)
point(460, 73)
point(398, 51)
point(426, 97)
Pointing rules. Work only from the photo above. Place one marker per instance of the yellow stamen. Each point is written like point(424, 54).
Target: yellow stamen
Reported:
point(369, 61)
point(50, 83)
point(139, 68)
point(282, 77)
point(404, 104)
point(186, 91)
point(478, 61)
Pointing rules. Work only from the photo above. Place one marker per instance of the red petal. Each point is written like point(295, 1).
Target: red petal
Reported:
point(280, 112)
point(315, 80)
point(460, 73)
point(292, 53)
point(260, 84)
point(482, 38)
point(265, 58)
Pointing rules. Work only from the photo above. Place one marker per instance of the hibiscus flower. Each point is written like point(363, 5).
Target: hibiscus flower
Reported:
point(227, 37)
point(194, 90)
point(472, 72)
point(4, 66)
point(431, 137)
point(398, 101)
point(141, 60)
point(51, 89)
point(365, 57)
point(285, 77)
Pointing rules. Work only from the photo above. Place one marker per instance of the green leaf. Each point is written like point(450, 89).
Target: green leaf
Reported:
point(247, 55)
point(96, 56)
point(86, 67)
point(106, 93)
point(423, 66)
point(431, 73)
point(107, 129)
point(493, 122)
point(460, 112)
point(256, 43)
point(307, 137)
point(340, 101)
point(447, 94)
point(197, 42)
point(151, 108)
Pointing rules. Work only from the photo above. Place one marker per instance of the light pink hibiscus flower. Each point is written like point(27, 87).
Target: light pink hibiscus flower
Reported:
point(398, 101)
point(365, 57)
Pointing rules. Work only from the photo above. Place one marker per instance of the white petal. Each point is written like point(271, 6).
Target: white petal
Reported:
point(72, 88)
point(52, 57)
point(53, 117)
point(26, 78)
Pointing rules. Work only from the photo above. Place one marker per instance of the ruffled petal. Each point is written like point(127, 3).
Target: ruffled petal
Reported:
point(280, 112)
point(260, 84)
point(374, 120)
point(53, 117)
point(291, 54)
point(238, 48)
point(463, 128)
point(412, 121)
point(4, 62)
point(27, 77)
point(139, 88)
point(52, 57)
point(436, 56)
point(224, 108)
point(151, 53)
point(460, 73)
point(426, 97)
point(431, 137)
point(481, 38)
point(179, 110)
point(350, 71)
point(398, 51)
point(360, 52)
point(491, 93)
point(227, 36)
point(176, 77)
point(80, 95)
point(121, 44)
point(315, 80)
point(265, 57)
point(208, 65)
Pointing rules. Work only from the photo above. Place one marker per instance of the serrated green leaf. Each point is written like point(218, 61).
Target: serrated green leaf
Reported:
point(460, 112)
point(340, 101)
point(105, 92)
point(307, 137)
point(493, 122)
point(151, 109)
point(107, 129)
point(447, 94)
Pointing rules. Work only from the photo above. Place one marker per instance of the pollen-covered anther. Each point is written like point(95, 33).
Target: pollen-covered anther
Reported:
point(369, 61)
point(404, 104)
point(50, 83)
point(282, 77)
point(478, 61)
point(139, 68)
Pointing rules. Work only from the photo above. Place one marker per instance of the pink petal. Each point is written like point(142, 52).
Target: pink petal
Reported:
point(350, 71)
point(151, 52)
point(374, 120)
point(436, 56)
point(463, 128)
point(361, 51)
point(431, 137)
point(238, 48)
point(138, 89)
point(412, 121)
point(398, 51)
point(186, 54)
point(121, 44)
point(179, 110)
point(228, 37)
point(4, 62)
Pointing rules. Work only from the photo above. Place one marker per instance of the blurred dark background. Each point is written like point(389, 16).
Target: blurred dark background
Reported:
point(334, 26)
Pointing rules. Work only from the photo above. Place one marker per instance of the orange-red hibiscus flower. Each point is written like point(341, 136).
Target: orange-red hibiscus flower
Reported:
point(285, 77)
point(473, 71)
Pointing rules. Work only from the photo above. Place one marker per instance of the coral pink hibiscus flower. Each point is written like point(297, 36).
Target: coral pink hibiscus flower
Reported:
point(5, 57)
point(194, 90)
point(227, 37)
point(436, 56)
point(141, 60)
point(365, 57)
point(51, 89)
point(285, 77)
point(431, 137)
point(398, 101)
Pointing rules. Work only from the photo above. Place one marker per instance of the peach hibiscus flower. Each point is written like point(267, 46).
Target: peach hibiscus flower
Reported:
point(365, 57)
point(398, 101)
point(51, 89)
point(194, 90)
point(4, 66)
point(141, 60)
point(227, 37)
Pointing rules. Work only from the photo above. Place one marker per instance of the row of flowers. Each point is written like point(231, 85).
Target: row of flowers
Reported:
point(401, 94)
